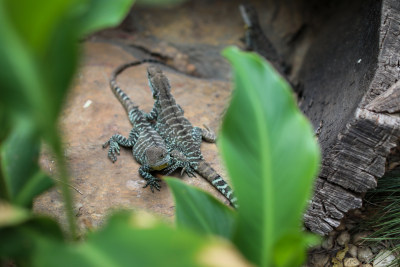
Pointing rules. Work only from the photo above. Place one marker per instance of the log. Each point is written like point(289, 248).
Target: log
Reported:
point(350, 89)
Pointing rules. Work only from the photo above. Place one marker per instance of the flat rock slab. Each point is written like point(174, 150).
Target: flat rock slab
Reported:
point(92, 115)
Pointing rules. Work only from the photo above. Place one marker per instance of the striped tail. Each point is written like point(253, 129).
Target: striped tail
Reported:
point(128, 104)
point(206, 171)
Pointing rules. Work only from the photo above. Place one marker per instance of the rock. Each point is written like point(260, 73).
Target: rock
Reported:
point(376, 248)
point(319, 259)
point(359, 237)
point(352, 251)
point(384, 258)
point(351, 262)
point(342, 253)
point(365, 254)
point(343, 238)
point(328, 243)
point(366, 265)
point(341, 227)
point(350, 226)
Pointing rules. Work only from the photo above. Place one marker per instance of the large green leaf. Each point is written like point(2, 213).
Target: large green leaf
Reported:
point(22, 178)
point(272, 158)
point(100, 14)
point(39, 56)
point(201, 212)
point(138, 240)
point(20, 234)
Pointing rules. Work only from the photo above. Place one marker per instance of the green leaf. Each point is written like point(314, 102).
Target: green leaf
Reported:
point(138, 240)
point(271, 155)
point(100, 14)
point(201, 212)
point(11, 215)
point(20, 242)
point(160, 3)
point(39, 56)
point(22, 178)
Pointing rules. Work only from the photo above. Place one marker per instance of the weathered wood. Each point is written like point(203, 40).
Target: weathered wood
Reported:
point(349, 87)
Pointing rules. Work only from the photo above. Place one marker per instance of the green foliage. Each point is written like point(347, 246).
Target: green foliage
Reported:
point(272, 158)
point(39, 55)
point(128, 240)
point(386, 221)
point(23, 179)
point(209, 217)
point(160, 3)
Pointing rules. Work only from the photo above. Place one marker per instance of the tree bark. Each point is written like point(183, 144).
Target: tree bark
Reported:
point(350, 90)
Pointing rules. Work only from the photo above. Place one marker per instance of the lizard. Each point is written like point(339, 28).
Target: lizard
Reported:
point(148, 148)
point(179, 134)
point(256, 40)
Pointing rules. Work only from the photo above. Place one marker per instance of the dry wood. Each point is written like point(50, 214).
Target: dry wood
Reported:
point(353, 90)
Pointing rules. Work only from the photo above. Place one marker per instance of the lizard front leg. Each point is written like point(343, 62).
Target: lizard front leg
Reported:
point(152, 181)
point(117, 140)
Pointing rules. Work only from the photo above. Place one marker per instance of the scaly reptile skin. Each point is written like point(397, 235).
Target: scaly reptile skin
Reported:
point(148, 147)
point(179, 134)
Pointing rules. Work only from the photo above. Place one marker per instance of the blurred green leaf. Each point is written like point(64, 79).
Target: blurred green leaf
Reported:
point(160, 3)
point(99, 14)
point(138, 240)
point(289, 250)
point(11, 215)
point(39, 54)
point(22, 178)
point(201, 212)
point(36, 21)
point(20, 242)
point(271, 155)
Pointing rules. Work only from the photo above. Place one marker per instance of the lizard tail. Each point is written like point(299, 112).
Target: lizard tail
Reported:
point(206, 171)
point(127, 103)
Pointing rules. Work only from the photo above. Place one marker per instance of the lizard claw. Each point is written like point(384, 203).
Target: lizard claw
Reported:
point(153, 183)
point(188, 170)
point(106, 144)
point(113, 150)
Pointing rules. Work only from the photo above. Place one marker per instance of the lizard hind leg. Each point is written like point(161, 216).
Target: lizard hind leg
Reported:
point(208, 135)
point(180, 161)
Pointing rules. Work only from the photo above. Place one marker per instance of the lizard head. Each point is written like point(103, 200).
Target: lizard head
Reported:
point(158, 82)
point(249, 15)
point(157, 157)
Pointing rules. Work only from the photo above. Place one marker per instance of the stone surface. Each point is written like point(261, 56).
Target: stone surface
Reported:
point(343, 238)
point(384, 258)
point(351, 262)
point(320, 259)
point(358, 238)
point(105, 186)
point(365, 254)
point(328, 242)
point(353, 250)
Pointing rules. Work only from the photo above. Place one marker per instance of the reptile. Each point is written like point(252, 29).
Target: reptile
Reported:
point(148, 148)
point(179, 134)
point(256, 40)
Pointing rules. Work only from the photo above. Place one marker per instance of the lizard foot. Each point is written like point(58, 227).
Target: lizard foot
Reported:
point(113, 150)
point(153, 183)
point(185, 168)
